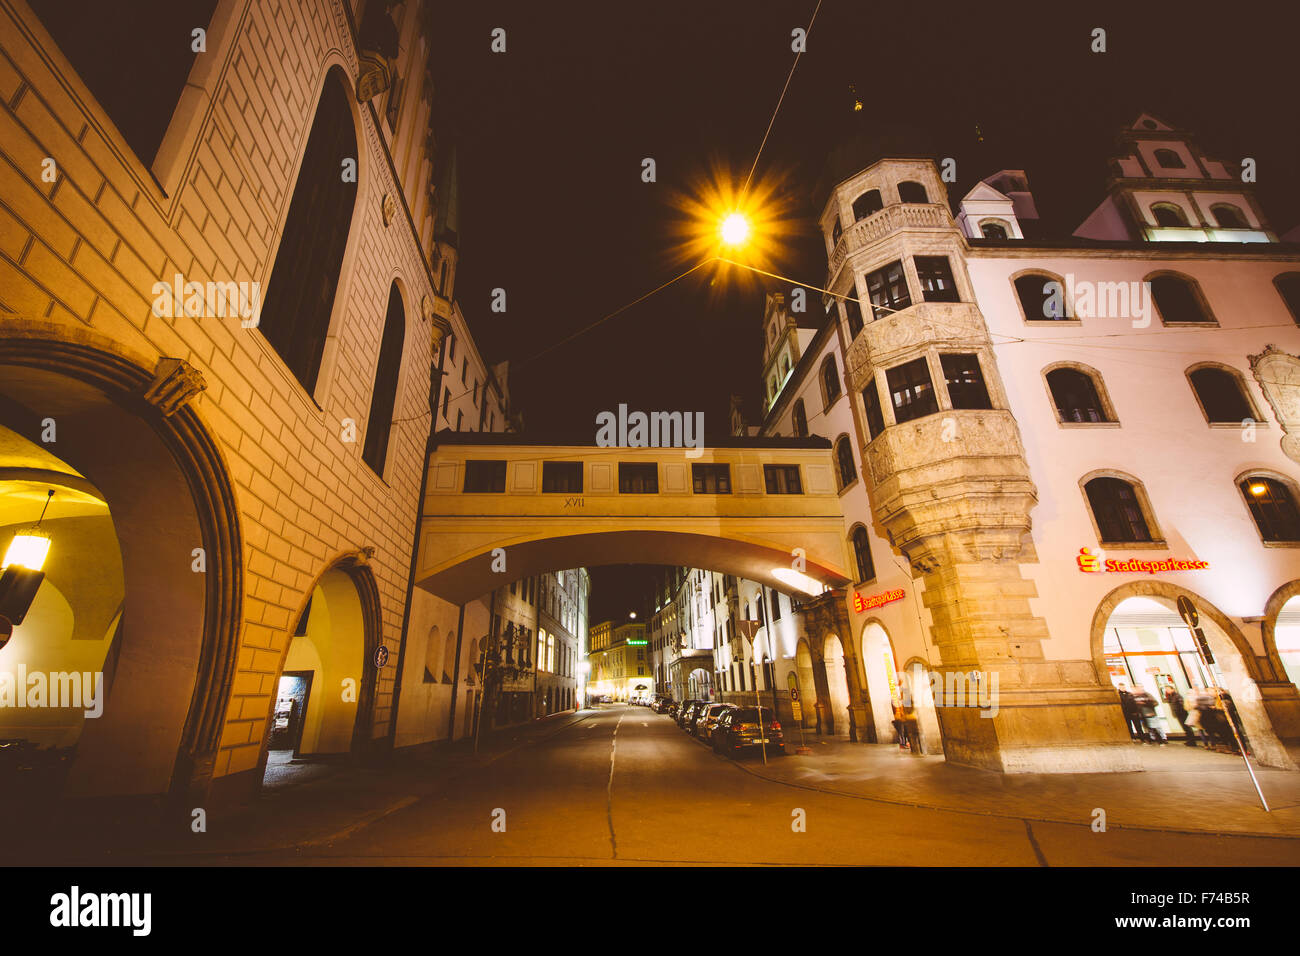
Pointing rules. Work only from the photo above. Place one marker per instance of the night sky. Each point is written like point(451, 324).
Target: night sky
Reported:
point(552, 133)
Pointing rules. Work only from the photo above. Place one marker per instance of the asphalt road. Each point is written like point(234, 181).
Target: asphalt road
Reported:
point(625, 786)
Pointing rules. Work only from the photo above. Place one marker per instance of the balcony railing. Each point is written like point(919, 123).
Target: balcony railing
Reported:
point(880, 224)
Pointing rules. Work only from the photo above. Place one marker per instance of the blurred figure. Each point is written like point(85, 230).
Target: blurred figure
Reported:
point(1174, 701)
point(1136, 727)
point(900, 725)
point(1145, 702)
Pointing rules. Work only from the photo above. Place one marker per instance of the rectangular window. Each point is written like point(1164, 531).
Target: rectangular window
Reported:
point(854, 313)
point(476, 393)
point(871, 403)
point(562, 477)
point(481, 476)
point(966, 387)
point(782, 479)
point(446, 399)
point(935, 274)
point(912, 391)
point(887, 289)
point(460, 419)
point(711, 479)
point(464, 369)
point(638, 478)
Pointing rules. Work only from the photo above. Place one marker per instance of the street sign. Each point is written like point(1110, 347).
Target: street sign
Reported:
point(1187, 610)
point(381, 655)
point(795, 704)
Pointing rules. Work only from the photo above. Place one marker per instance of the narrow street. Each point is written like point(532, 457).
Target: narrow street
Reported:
point(624, 785)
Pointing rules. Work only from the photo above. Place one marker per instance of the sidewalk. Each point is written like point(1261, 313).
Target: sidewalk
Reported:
point(1181, 789)
point(303, 805)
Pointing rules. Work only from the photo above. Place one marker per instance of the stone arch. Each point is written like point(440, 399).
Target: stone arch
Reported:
point(806, 670)
point(835, 664)
point(347, 577)
point(1268, 626)
point(152, 406)
point(433, 656)
point(1240, 667)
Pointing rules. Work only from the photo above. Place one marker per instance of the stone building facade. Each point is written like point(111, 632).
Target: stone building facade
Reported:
point(240, 322)
point(981, 445)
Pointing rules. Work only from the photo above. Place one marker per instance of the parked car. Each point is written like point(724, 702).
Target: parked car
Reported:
point(686, 713)
point(708, 719)
point(661, 702)
point(671, 709)
point(738, 729)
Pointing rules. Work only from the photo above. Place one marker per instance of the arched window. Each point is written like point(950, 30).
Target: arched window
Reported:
point(1042, 296)
point(1229, 216)
point(309, 262)
point(1288, 286)
point(909, 191)
point(844, 457)
point(1168, 214)
point(867, 204)
point(800, 420)
point(1117, 509)
point(141, 103)
point(830, 380)
point(384, 396)
point(1273, 506)
point(433, 657)
point(1168, 159)
point(1221, 394)
point(862, 554)
point(993, 230)
point(449, 658)
point(1076, 396)
point(1178, 300)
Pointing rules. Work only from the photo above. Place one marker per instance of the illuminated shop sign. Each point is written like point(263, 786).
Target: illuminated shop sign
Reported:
point(637, 643)
point(1090, 563)
point(861, 604)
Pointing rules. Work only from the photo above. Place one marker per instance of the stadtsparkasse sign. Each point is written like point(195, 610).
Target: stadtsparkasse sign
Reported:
point(861, 604)
point(1090, 563)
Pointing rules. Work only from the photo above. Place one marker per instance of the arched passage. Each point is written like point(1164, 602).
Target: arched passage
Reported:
point(170, 662)
point(1139, 639)
point(881, 677)
point(837, 684)
point(325, 692)
point(803, 663)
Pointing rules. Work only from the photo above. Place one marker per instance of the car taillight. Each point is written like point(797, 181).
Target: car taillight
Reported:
point(776, 725)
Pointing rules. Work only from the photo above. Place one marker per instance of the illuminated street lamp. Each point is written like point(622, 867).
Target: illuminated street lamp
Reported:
point(735, 229)
point(29, 548)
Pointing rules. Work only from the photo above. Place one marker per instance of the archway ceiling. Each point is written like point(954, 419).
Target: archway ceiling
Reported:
point(474, 577)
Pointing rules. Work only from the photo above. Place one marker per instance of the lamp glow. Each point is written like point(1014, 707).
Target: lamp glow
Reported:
point(28, 550)
point(735, 229)
point(1258, 488)
point(797, 579)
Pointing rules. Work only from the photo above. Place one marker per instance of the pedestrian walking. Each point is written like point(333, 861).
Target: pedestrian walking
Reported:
point(1146, 705)
point(1136, 728)
point(1174, 701)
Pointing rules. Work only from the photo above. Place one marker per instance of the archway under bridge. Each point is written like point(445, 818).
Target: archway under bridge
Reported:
point(497, 511)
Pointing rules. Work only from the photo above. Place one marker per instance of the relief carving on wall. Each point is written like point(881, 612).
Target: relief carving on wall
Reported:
point(1278, 375)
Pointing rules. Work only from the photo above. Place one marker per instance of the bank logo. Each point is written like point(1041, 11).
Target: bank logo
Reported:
point(1090, 563)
